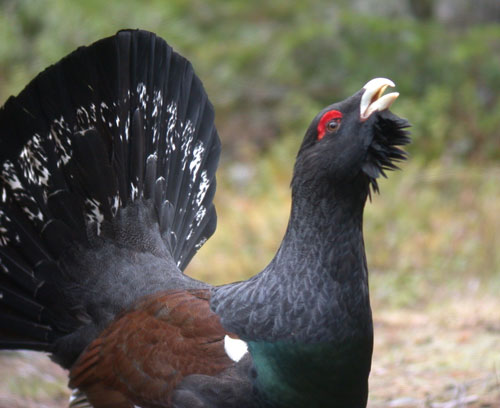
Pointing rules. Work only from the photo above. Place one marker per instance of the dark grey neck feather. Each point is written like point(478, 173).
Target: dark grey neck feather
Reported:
point(316, 287)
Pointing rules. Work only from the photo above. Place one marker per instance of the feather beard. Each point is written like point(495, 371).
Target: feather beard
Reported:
point(384, 151)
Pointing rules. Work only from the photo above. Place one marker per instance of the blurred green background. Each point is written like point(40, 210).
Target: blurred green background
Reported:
point(269, 67)
point(433, 234)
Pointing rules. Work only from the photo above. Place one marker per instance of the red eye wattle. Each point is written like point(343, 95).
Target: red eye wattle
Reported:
point(329, 122)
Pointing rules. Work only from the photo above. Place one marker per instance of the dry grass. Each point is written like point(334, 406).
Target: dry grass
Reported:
point(447, 356)
point(31, 380)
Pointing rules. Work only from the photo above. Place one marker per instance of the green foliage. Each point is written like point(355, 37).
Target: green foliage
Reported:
point(269, 66)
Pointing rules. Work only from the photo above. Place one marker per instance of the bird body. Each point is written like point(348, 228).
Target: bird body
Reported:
point(107, 175)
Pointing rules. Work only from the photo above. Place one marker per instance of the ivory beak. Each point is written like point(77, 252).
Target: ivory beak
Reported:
point(373, 99)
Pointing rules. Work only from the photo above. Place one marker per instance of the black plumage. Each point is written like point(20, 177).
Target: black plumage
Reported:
point(75, 145)
point(107, 177)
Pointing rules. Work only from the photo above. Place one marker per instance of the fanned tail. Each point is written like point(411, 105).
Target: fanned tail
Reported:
point(113, 148)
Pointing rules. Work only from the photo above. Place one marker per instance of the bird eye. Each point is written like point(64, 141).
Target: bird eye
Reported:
point(333, 125)
point(329, 123)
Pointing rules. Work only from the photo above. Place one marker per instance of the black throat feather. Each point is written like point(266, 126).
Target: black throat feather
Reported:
point(384, 151)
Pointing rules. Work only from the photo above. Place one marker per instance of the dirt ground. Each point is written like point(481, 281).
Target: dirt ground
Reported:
point(446, 356)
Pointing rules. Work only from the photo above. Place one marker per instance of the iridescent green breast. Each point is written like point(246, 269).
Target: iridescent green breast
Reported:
point(297, 375)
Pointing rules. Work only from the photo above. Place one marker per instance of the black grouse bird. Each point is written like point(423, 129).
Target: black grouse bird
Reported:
point(107, 175)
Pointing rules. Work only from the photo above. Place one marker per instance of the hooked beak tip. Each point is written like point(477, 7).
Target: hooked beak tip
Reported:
point(373, 99)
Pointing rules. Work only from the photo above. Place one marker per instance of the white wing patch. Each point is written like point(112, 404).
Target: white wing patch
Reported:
point(78, 400)
point(235, 348)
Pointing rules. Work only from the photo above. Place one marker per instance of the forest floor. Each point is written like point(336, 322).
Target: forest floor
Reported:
point(442, 356)
point(445, 356)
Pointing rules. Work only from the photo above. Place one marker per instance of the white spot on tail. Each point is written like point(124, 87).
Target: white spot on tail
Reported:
point(10, 176)
point(82, 117)
point(134, 191)
point(94, 214)
point(203, 188)
point(78, 400)
point(200, 244)
point(4, 238)
point(93, 115)
point(235, 348)
point(194, 166)
point(33, 162)
point(141, 90)
point(200, 214)
point(172, 120)
point(74, 395)
point(127, 126)
point(115, 204)
point(59, 132)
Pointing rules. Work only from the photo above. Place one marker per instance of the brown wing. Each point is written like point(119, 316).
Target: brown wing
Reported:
point(145, 353)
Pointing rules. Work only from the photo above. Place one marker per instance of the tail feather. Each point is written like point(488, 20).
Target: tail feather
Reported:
point(32, 333)
point(113, 147)
point(68, 208)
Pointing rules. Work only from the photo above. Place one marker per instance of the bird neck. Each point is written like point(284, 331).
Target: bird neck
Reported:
point(320, 350)
point(325, 234)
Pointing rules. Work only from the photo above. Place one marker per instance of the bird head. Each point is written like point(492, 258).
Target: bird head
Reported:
point(353, 141)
